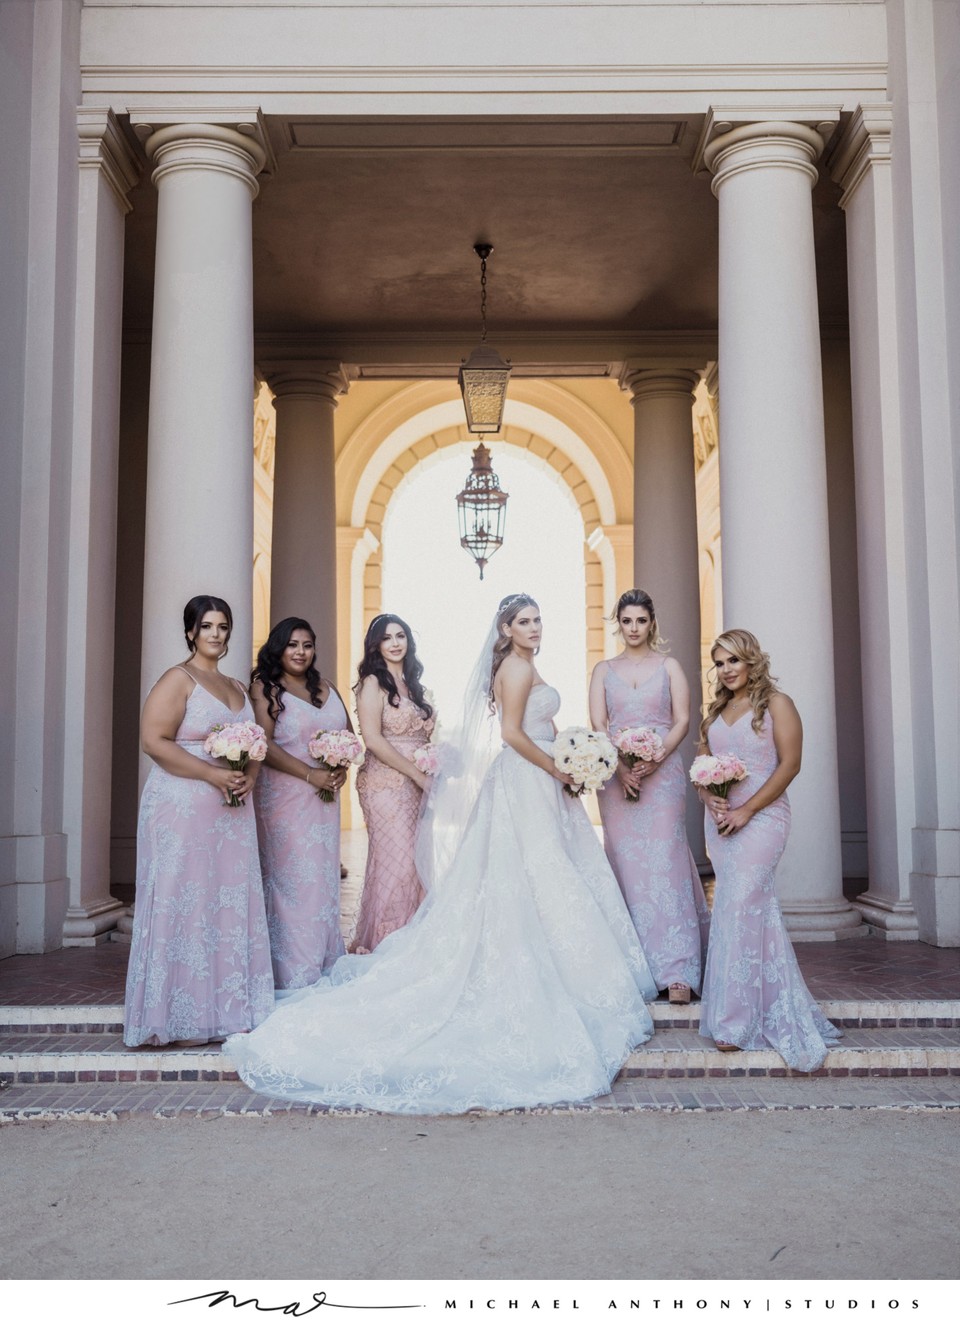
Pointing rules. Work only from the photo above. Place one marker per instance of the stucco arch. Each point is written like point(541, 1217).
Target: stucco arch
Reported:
point(419, 420)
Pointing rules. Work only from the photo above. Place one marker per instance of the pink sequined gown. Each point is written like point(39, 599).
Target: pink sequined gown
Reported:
point(300, 851)
point(646, 840)
point(391, 807)
point(200, 957)
point(753, 994)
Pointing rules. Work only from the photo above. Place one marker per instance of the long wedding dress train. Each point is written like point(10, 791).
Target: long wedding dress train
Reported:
point(519, 982)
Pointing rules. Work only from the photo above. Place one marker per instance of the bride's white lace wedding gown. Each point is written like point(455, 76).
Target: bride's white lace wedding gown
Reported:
point(520, 981)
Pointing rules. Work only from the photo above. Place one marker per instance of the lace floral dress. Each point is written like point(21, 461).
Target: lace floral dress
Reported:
point(519, 981)
point(390, 802)
point(200, 957)
point(753, 993)
point(300, 851)
point(646, 840)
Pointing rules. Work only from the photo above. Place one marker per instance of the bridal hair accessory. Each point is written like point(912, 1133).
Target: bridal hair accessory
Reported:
point(515, 599)
point(379, 618)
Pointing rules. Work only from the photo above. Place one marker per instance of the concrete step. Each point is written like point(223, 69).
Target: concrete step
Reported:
point(845, 1013)
point(32, 1057)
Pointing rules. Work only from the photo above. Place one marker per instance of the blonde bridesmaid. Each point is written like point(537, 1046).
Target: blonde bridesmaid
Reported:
point(395, 719)
point(299, 832)
point(646, 838)
point(754, 996)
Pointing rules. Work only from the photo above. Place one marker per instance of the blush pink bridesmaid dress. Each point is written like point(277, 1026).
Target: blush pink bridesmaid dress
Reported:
point(646, 840)
point(299, 837)
point(390, 802)
point(754, 995)
point(200, 958)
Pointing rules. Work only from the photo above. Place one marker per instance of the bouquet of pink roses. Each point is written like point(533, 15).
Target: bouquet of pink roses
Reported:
point(636, 745)
point(427, 758)
point(589, 756)
point(717, 773)
point(332, 750)
point(237, 744)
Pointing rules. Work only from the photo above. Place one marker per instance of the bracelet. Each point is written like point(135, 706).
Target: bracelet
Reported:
point(309, 772)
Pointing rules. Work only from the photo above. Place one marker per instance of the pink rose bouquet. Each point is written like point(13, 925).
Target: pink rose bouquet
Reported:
point(427, 758)
point(717, 773)
point(237, 744)
point(589, 756)
point(332, 750)
point(636, 745)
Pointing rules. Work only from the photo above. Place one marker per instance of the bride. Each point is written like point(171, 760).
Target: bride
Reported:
point(520, 980)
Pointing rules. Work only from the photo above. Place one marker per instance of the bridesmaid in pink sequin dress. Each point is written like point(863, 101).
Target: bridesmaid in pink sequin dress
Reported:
point(646, 839)
point(299, 833)
point(754, 996)
point(395, 719)
point(199, 965)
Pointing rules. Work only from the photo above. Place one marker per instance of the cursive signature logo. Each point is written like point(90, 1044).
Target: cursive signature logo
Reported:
point(318, 1300)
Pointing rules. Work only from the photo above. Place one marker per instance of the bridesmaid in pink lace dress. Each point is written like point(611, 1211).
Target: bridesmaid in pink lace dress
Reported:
point(299, 833)
point(646, 839)
point(395, 719)
point(754, 996)
point(200, 959)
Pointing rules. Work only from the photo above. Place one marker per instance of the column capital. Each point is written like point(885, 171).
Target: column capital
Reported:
point(238, 148)
point(864, 143)
point(736, 139)
point(306, 380)
point(711, 380)
point(104, 147)
point(647, 383)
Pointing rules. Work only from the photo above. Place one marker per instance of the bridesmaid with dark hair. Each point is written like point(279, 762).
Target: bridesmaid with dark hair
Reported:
point(200, 958)
point(299, 832)
point(395, 719)
point(644, 808)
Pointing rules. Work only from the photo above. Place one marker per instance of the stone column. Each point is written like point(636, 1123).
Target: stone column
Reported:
point(666, 560)
point(108, 170)
point(199, 521)
point(303, 579)
point(860, 164)
point(773, 488)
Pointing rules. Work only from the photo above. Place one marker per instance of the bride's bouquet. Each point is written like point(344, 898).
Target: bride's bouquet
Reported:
point(237, 744)
point(636, 745)
point(589, 756)
point(332, 749)
point(717, 773)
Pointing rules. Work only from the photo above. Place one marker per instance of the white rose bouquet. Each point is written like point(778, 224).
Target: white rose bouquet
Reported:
point(590, 757)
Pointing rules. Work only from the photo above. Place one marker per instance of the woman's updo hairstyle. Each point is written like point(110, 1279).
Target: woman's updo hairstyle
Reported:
point(637, 598)
point(193, 616)
point(509, 609)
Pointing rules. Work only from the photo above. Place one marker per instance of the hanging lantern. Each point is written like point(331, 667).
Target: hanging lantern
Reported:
point(483, 377)
point(482, 510)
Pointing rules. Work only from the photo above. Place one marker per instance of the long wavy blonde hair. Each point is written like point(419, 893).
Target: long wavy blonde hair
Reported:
point(760, 684)
point(508, 610)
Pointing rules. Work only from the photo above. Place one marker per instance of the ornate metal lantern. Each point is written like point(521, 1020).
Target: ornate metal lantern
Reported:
point(482, 510)
point(483, 377)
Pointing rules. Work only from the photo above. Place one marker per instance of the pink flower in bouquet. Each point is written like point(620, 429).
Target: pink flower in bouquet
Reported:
point(237, 744)
point(638, 745)
point(333, 749)
point(427, 758)
point(717, 773)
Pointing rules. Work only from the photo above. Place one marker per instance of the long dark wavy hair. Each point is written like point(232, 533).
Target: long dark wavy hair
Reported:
point(373, 664)
point(269, 666)
point(193, 616)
